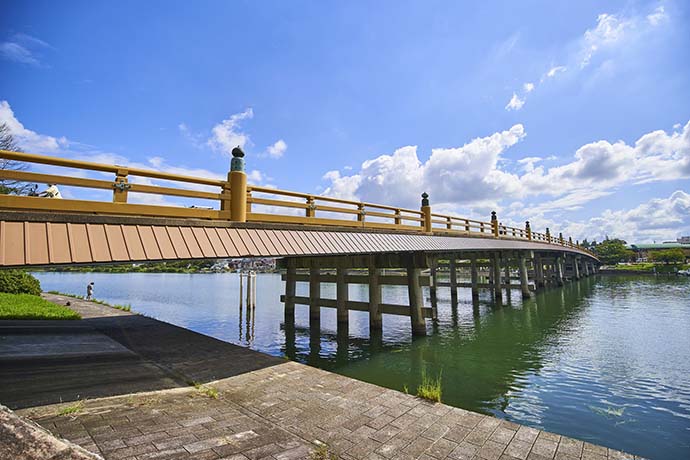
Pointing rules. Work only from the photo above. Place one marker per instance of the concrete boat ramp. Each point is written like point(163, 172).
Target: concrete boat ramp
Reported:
point(121, 386)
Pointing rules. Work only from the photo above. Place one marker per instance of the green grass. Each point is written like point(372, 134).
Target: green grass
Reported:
point(430, 388)
point(322, 452)
point(26, 306)
point(72, 409)
point(127, 307)
point(205, 390)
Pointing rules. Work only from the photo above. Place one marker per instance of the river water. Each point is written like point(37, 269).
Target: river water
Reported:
point(605, 360)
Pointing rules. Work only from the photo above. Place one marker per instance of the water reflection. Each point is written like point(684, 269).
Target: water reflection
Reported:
point(605, 359)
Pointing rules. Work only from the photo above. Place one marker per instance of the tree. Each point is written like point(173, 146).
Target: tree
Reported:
point(675, 255)
point(612, 251)
point(7, 142)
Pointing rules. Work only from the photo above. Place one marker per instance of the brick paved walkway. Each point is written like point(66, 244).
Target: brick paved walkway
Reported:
point(280, 411)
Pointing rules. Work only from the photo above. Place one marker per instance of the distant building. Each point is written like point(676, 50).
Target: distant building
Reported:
point(684, 240)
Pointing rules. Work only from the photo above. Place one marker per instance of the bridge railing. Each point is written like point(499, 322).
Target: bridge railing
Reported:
point(262, 204)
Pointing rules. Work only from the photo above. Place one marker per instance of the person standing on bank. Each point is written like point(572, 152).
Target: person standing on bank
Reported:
point(89, 291)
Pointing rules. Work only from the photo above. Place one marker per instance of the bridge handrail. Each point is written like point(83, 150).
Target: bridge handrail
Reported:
point(282, 205)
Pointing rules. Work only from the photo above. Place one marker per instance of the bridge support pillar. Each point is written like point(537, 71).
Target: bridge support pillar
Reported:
point(585, 267)
point(375, 321)
point(453, 279)
point(342, 297)
point(416, 301)
point(474, 277)
point(433, 282)
point(314, 293)
point(290, 289)
point(538, 271)
point(496, 270)
point(507, 275)
point(558, 266)
point(576, 267)
point(524, 279)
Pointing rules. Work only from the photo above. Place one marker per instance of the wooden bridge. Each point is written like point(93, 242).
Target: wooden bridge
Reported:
point(228, 219)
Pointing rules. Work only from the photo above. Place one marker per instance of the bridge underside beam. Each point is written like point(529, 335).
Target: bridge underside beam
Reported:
point(36, 239)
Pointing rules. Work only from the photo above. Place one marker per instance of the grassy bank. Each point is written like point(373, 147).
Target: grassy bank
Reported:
point(647, 267)
point(99, 302)
point(26, 306)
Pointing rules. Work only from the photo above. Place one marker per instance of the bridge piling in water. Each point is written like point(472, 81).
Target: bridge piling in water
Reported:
point(524, 277)
point(375, 320)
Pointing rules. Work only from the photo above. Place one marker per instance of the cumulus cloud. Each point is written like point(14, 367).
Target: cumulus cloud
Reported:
point(466, 174)
point(27, 139)
point(659, 219)
point(228, 134)
point(277, 150)
point(515, 103)
point(528, 87)
point(475, 175)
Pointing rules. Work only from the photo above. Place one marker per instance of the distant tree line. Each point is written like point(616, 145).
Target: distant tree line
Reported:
point(613, 250)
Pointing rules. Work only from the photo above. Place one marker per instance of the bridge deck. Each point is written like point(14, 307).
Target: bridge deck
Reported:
point(41, 239)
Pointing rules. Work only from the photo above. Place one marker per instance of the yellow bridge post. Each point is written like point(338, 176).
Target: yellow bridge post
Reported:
point(238, 187)
point(426, 212)
point(528, 231)
point(120, 187)
point(494, 224)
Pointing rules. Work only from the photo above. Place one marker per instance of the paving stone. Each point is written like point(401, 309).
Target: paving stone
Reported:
point(479, 436)
point(274, 409)
point(518, 449)
point(544, 447)
point(435, 432)
point(491, 450)
point(570, 447)
point(502, 435)
point(464, 451)
point(457, 434)
point(441, 448)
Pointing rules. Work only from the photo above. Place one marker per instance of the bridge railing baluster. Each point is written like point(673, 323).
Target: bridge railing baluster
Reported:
point(258, 204)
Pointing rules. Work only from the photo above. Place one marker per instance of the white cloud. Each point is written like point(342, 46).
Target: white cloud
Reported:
point(657, 17)
point(474, 175)
point(227, 134)
point(467, 174)
point(27, 139)
point(515, 103)
point(659, 219)
point(553, 71)
point(23, 48)
point(277, 150)
point(609, 30)
point(196, 139)
point(612, 34)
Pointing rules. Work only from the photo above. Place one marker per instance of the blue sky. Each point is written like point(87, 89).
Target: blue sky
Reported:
point(534, 109)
